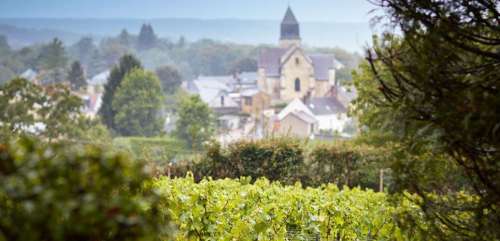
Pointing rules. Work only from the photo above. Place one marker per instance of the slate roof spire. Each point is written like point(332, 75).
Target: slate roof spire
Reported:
point(290, 29)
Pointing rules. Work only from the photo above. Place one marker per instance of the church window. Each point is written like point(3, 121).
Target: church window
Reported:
point(297, 61)
point(222, 100)
point(297, 85)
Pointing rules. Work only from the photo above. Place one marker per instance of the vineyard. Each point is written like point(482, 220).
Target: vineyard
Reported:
point(237, 210)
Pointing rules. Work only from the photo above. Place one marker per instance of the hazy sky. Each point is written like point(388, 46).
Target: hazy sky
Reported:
point(306, 10)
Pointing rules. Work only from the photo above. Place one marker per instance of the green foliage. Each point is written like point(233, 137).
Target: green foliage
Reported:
point(96, 65)
point(55, 192)
point(53, 55)
point(195, 124)
point(76, 76)
point(51, 113)
point(208, 57)
point(111, 50)
point(170, 79)
point(90, 131)
point(137, 105)
point(106, 112)
point(236, 210)
point(24, 105)
point(158, 152)
point(83, 50)
point(276, 159)
point(343, 76)
point(433, 93)
point(344, 163)
point(244, 65)
point(6, 74)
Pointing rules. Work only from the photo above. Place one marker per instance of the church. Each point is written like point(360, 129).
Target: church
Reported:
point(287, 72)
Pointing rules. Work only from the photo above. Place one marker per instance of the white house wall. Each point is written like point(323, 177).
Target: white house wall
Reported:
point(334, 122)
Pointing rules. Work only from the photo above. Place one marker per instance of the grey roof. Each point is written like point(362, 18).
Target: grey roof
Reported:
point(209, 87)
point(322, 64)
point(249, 92)
point(289, 17)
point(248, 77)
point(270, 60)
point(325, 106)
point(303, 116)
point(191, 87)
point(290, 28)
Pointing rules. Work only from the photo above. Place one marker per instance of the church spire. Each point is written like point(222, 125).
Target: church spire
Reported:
point(290, 30)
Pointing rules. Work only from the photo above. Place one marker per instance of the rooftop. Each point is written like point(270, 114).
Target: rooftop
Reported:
point(325, 106)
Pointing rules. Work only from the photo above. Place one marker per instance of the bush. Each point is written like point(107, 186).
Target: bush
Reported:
point(344, 164)
point(52, 192)
point(277, 159)
point(290, 160)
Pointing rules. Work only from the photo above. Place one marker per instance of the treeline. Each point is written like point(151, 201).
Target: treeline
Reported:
point(203, 57)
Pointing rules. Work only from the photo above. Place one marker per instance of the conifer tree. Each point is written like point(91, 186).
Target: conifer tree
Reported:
point(124, 38)
point(147, 38)
point(96, 64)
point(53, 60)
point(127, 63)
point(76, 76)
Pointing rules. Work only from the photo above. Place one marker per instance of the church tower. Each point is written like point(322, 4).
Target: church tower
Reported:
point(290, 30)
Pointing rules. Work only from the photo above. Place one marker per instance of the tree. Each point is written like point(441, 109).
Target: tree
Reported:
point(127, 63)
point(434, 93)
point(76, 76)
point(50, 112)
point(96, 65)
point(53, 60)
point(244, 65)
point(84, 50)
point(170, 79)
point(124, 38)
point(53, 55)
point(28, 56)
point(75, 192)
point(147, 38)
point(181, 43)
point(195, 124)
point(5, 49)
point(6, 74)
point(111, 51)
point(137, 103)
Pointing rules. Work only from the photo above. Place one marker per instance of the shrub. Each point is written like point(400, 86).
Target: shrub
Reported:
point(344, 164)
point(289, 160)
point(276, 158)
point(52, 192)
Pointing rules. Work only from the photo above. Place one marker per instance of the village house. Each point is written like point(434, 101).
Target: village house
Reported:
point(318, 115)
point(330, 113)
point(254, 101)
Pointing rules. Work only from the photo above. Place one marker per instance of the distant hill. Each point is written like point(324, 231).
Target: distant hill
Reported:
point(20, 37)
point(350, 36)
